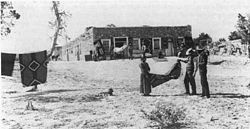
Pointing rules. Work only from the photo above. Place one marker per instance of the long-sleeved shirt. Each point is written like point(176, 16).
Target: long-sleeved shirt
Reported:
point(190, 63)
point(144, 68)
point(202, 61)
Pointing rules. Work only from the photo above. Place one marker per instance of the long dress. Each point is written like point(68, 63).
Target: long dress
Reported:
point(145, 86)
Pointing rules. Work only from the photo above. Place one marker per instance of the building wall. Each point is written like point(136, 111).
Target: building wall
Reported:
point(78, 48)
point(143, 32)
point(86, 41)
point(162, 32)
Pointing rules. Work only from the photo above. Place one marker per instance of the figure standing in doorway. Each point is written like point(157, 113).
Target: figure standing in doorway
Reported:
point(130, 51)
point(143, 47)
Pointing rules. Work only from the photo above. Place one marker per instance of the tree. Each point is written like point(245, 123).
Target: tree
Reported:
point(8, 17)
point(234, 35)
point(203, 40)
point(222, 39)
point(88, 28)
point(243, 27)
point(59, 24)
point(111, 25)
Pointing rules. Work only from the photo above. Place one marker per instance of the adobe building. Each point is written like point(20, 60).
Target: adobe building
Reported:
point(167, 39)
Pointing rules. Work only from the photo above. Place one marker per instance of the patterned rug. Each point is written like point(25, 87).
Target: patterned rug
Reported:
point(33, 67)
point(7, 63)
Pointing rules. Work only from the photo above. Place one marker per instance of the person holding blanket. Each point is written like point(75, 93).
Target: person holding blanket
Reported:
point(189, 76)
point(151, 80)
point(145, 86)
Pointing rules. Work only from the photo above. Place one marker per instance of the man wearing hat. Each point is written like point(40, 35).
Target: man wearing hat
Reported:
point(202, 65)
point(189, 76)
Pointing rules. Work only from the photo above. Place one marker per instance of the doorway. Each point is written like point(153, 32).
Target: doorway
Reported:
point(170, 48)
point(148, 43)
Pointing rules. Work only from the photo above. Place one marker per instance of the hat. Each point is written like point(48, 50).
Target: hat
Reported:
point(189, 51)
point(200, 49)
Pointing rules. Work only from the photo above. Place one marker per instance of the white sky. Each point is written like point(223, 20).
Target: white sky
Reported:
point(31, 33)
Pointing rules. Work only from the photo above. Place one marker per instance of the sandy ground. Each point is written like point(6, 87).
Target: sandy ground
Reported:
point(66, 100)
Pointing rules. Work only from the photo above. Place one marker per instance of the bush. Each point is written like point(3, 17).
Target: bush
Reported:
point(167, 116)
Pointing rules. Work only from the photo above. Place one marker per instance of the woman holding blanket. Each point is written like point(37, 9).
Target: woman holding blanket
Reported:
point(145, 87)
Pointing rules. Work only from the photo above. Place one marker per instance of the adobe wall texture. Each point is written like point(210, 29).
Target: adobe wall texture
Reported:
point(142, 32)
point(86, 40)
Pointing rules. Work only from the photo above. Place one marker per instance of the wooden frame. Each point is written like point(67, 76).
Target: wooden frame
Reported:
point(139, 43)
point(109, 40)
point(153, 43)
point(119, 38)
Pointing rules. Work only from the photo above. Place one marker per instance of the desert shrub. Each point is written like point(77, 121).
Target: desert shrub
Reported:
point(166, 116)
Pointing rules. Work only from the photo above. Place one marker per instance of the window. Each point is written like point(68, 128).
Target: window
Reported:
point(164, 42)
point(120, 41)
point(136, 44)
point(156, 43)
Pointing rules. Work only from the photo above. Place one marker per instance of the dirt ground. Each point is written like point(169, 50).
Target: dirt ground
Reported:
point(68, 99)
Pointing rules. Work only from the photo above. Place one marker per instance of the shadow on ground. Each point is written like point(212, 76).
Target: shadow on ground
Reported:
point(230, 95)
point(216, 62)
point(47, 92)
point(213, 95)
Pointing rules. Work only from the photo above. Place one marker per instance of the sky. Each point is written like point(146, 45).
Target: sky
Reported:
point(31, 32)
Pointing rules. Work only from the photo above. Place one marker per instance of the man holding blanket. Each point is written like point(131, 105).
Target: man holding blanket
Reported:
point(189, 76)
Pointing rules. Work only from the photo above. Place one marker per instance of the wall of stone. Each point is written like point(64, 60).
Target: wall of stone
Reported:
point(142, 32)
point(173, 32)
point(81, 46)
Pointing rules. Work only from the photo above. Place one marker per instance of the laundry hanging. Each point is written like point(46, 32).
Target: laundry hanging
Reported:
point(33, 67)
point(7, 63)
point(173, 73)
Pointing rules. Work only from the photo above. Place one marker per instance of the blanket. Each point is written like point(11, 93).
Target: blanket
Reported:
point(7, 63)
point(173, 73)
point(120, 49)
point(33, 67)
